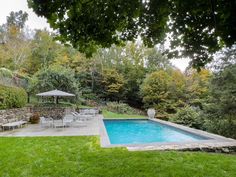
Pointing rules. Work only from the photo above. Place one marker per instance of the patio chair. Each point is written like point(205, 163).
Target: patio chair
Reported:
point(91, 112)
point(81, 117)
point(46, 122)
point(68, 119)
point(79, 120)
point(59, 123)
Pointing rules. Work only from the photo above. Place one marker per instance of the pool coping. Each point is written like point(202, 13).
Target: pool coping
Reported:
point(214, 143)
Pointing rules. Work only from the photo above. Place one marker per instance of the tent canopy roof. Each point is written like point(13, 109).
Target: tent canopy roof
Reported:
point(55, 93)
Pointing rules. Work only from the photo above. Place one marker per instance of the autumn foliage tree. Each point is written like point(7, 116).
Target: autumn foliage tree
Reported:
point(198, 86)
point(155, 90)
point(113, 84)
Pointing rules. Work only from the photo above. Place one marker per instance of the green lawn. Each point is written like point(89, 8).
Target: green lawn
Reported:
point(108, 114)
point(82, 156)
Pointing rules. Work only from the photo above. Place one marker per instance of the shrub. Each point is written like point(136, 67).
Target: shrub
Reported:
point(188, 116)
point(225, 126)
point(35, 118)
point(12, 97)
point(4, 72)
point(121, 108)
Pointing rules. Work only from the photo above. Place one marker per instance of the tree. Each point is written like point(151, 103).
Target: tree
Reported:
point(155, 90)
point(178, 87)
point(155, 60)
point(55, 77)
point(199, 27)
point(113, 84)
point(17, 19)
point(224, 58)
point(220, 108)
point(44, 50)
point(164, 90)
point(223, 90)
point(198, 86)
point(202, 28)
point(15, 48)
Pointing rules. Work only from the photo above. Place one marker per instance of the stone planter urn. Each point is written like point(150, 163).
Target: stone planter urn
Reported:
point(151, 113)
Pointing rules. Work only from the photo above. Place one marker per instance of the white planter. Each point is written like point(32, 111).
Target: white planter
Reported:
point(151, 113)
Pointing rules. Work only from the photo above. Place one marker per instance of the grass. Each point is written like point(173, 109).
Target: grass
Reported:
point(108, 114)
point(82, 156)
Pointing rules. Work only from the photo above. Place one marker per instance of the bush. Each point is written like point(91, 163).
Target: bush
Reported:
point(188, 116)
point(35, 118)
point(4, 72)
point(121, 108)
point(12, 97)
point(225, 126)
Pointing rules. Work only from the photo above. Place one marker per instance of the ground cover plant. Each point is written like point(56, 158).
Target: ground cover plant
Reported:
point(83, 156)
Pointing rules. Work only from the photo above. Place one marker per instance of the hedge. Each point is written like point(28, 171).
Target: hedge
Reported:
point(12, 97)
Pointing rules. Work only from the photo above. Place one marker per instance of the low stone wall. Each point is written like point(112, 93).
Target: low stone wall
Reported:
point(56, 112)
point(12, 115)
point(53, 112)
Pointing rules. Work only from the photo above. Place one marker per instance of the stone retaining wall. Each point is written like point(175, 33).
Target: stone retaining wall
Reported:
point(53, 112)
point(12, 115)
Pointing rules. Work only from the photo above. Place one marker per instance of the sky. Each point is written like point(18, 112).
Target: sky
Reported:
point(35, 22)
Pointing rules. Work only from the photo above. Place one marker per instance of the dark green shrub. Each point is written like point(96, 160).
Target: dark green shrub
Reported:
point(225, 126)
point(188, 116)
point(12, 97)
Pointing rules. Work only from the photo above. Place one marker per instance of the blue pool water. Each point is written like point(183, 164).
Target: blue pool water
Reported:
point(145, 131)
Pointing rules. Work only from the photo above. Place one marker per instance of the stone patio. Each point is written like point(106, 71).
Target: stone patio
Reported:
point(88, 128)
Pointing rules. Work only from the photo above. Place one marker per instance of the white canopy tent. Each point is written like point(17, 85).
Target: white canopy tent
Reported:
point(55, 94)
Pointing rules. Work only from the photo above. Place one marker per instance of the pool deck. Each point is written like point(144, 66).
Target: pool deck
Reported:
point(87, 128)
point(215, 143)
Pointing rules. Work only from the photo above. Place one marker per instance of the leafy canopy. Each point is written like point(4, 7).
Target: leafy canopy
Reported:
point(55, 77)
point(199, 27)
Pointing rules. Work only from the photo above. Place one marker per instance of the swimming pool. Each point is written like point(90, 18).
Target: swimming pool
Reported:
point(146, 131)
